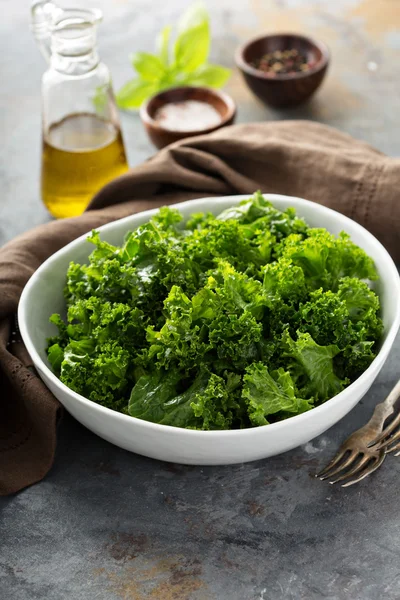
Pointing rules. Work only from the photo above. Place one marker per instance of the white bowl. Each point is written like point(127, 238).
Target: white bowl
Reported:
point(43, 295)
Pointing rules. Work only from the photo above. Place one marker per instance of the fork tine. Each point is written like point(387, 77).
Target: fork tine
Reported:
point(392, 448)
point(332, 463)
point(385, 443)
point(343, 465)
point(367, 471)
point(359, 464)
point(380, 439)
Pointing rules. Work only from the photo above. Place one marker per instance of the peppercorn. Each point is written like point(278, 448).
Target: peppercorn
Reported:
point(286, 62)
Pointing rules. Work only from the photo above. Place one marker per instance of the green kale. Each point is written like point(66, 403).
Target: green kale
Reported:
point(271, 394)
point(206, 404)
point(223, 322)
point(312, 367)
point(325, 259)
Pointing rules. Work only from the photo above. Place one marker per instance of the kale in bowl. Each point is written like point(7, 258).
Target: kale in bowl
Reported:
point(224, 322)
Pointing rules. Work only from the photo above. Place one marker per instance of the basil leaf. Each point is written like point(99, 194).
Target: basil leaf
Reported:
point(195, 15)
point(192, 44)
point(211, 75)
point(147, 65)
point(185, 65)
point(192, 47)
point(163, 39)
point(135, 91)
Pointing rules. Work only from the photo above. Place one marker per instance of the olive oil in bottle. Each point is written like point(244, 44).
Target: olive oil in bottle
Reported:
point(81, 153)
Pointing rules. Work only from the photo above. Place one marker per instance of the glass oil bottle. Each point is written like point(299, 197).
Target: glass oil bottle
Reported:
point(82, 147)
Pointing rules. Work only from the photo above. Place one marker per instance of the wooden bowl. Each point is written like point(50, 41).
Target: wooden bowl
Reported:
point(161, 136)
point(283, 90)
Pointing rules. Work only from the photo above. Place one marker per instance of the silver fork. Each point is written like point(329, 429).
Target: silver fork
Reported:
point(365, 450)
point(389, 439)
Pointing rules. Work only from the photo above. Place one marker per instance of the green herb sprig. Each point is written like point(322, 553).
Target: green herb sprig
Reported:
point(186, 64)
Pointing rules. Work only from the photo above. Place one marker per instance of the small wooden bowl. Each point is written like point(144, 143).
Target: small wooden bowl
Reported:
point(161, 136)
point(283, 90)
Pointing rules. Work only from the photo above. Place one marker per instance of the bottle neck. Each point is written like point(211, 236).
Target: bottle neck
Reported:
point(66, 37)
point(74, 65)
point(74, 46)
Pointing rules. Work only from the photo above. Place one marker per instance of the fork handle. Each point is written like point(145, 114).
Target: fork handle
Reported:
point(384, 409)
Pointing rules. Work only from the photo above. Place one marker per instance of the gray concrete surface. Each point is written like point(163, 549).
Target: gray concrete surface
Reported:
point(106, 524)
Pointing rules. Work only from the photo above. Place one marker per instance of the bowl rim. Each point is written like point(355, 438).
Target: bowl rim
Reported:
point(148, 120)
point(377, 363)
point(245, 66)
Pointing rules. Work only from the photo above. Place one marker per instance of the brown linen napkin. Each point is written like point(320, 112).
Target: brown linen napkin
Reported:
point(298, 158)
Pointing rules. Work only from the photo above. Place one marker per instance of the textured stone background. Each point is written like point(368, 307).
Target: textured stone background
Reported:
point(107, 524)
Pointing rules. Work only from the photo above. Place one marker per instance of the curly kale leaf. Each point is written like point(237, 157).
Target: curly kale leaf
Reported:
point(325, 259)
point(259, 215)
point(100, 374)
point(210, 327)
point(271, 393)
point(347, 318)
point(312, 367)
point(207, 403)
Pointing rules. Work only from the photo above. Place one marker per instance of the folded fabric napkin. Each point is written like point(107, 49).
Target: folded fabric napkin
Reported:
point(298, 158)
